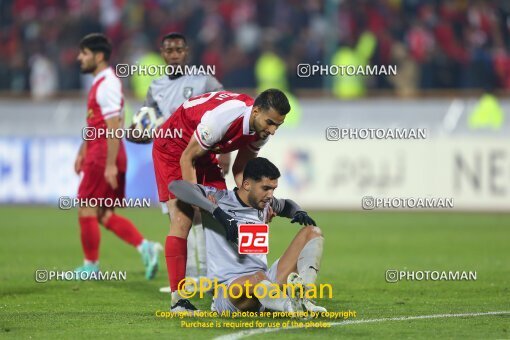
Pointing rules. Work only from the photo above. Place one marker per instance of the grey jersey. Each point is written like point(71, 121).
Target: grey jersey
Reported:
point(223, 259)
point(166, 94)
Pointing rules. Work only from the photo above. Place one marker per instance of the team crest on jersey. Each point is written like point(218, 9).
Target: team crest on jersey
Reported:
point(187, 92)
point(204, 133)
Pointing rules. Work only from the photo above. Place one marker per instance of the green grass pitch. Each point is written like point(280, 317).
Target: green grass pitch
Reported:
point(359, 248)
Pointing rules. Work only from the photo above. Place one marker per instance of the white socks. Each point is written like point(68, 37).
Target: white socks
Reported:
point(308, 266)
point(281, 304)
point(191, 261)
point(202, 257)
point(309, 260)
point(140, 246)
point(196, 262)
point(86, 262)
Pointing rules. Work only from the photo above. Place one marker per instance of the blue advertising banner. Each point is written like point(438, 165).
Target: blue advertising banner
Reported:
point(40, 170)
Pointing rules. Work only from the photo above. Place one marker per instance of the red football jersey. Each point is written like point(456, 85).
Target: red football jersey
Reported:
point(219, 121)
point(105, 101)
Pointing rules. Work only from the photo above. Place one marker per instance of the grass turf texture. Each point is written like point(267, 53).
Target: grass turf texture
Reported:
point(359, 248)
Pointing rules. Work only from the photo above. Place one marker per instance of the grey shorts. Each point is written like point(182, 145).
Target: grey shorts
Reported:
point(222, 303)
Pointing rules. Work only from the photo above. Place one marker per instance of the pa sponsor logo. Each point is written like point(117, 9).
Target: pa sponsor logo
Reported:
point(253, 239)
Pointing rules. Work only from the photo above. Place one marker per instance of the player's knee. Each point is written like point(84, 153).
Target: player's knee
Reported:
point(312, 232)
point(86, 212)
point(104, 216)
point(180, 228)
point(179, 210)
point(317, 231)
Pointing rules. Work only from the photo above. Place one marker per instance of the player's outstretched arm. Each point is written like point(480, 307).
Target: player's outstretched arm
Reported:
point(243, 156)
point(224, 160)
point(290, 209)
point(193, 151)
point(193, 194)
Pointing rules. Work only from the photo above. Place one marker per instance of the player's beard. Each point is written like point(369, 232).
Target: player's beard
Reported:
point(88, 69)
point(258, 130)
point(255, 203)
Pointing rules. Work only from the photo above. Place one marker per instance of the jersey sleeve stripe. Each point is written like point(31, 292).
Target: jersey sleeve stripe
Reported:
point(111, 114)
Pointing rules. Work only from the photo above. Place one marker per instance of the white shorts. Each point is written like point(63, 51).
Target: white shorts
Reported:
point(222, 303)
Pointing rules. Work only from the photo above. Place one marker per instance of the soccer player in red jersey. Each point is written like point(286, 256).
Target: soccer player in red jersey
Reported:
point(165, 95)
point(103, 161)
point(215, 122)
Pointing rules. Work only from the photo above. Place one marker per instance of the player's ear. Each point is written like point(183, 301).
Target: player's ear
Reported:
point(246, 185)
point(98, 57)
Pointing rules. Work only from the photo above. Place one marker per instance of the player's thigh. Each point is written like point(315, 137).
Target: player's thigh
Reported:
point(181, 217)
point(93, 185)
point(93, 190)
point(166, 170)
point(288, 261)
point(104, 214)
point(87, 211)
point(243, 287)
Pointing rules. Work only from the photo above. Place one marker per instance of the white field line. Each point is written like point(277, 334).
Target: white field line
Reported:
point(249, 332)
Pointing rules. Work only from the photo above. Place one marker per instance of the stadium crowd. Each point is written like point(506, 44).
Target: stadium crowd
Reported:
point(435, 44)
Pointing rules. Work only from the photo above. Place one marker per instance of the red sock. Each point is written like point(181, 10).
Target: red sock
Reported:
point(125, 229)
point(176, 253)
point(90, 236)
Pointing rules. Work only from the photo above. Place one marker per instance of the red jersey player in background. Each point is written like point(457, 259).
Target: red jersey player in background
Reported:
point(216, 122)
point(103, 161)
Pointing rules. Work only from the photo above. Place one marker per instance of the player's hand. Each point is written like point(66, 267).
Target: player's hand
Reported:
point(77, 163)
point(229, 223)
point(110, 174)
point(224, 162)
point(144, 139)
point(212, 199)
point(302, 218)
point(270, 215)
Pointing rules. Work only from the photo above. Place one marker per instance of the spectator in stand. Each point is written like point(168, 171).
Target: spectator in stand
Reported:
point(452, 43)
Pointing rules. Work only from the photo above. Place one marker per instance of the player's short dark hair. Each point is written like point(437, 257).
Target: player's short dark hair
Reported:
point(259, 167)
point(174, 35)
point(273, 98)
point(97, 42)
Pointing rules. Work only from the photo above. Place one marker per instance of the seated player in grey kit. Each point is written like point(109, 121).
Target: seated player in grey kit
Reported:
point(224, 210)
